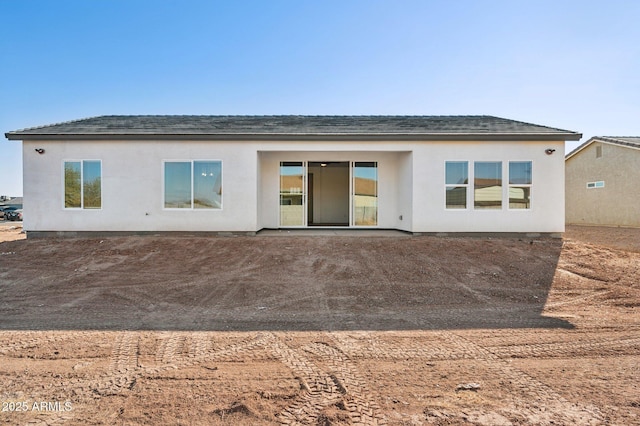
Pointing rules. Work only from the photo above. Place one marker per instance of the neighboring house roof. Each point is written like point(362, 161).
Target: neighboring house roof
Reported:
point(17, 201)
point(627, 141)
point(294, 127)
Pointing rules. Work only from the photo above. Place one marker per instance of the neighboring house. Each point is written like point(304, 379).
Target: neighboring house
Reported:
point(603, 182)
point(421, 174)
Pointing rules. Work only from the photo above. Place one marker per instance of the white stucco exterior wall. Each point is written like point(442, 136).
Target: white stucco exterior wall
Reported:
point(547, 193)
point(405, 191)
point(132, 186)
point(410, 184)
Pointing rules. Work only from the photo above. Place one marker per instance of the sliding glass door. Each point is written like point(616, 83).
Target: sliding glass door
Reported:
point(292, 193)
point(365, 193)
point(296, 186)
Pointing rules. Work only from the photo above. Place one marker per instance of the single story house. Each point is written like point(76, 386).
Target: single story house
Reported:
point(420, 174)
point(602, 182)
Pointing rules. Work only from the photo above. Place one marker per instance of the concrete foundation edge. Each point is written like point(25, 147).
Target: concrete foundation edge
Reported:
point(298, 232)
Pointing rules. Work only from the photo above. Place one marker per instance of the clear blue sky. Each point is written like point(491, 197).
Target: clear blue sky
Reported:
point(572, 64)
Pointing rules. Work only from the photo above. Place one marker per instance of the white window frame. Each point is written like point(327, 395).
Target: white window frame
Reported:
point(82, 207)
point(597, 184)
point(509, 185)
point(191, 161)
point(503, 191)
point(305, 191)
point(352, 195)
point(468, 198)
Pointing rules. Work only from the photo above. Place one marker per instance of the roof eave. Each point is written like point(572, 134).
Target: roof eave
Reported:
point(299, 136)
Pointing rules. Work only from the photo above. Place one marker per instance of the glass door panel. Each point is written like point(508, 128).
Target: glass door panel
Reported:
point(292, 193)
point(365, 193)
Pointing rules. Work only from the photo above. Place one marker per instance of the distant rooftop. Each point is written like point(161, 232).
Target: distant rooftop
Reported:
point(633, 141)
point(301, 127)
point(10, 201)
point(629, 141)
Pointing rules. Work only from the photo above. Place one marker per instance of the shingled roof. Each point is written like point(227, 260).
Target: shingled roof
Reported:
point(293, 127)
point(628, 141)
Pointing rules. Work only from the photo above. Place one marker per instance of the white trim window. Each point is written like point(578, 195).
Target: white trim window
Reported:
point(596, 184)
point(520, 181)
point(82, 183)
point(487, 185)
point(192, 184)
point(365, 193)
point(456, 184)
point(293, 177)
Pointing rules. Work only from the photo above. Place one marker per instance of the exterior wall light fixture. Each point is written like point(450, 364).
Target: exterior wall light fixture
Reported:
point(40, 150)
point(549, 151)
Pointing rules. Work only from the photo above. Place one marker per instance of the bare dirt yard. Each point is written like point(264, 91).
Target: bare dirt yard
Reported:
point(322, 330)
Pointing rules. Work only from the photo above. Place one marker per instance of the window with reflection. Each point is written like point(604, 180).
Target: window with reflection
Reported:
point(83, 184)
point(520, 184)
point(193, 184)
point(365, 193)
point(456, 184)
point(487, 191)
point(292, 192)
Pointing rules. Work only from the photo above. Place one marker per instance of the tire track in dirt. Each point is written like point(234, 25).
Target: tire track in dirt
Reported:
point(197, 349)
point(175, 350)
point(21, 340)
point(168, 347)
point(569, 349)
point(538, 402)
point(200, 346)
point(341, 386)
point(608, 265)
point(374, 348)
point(319, 389)
point(437, 350)
point(125, 353)
point(583, 272)
point(534, 400)
point(25, 340)
point(577, 299)
point(362, 409)
point(243, 350)
point(123, 369)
